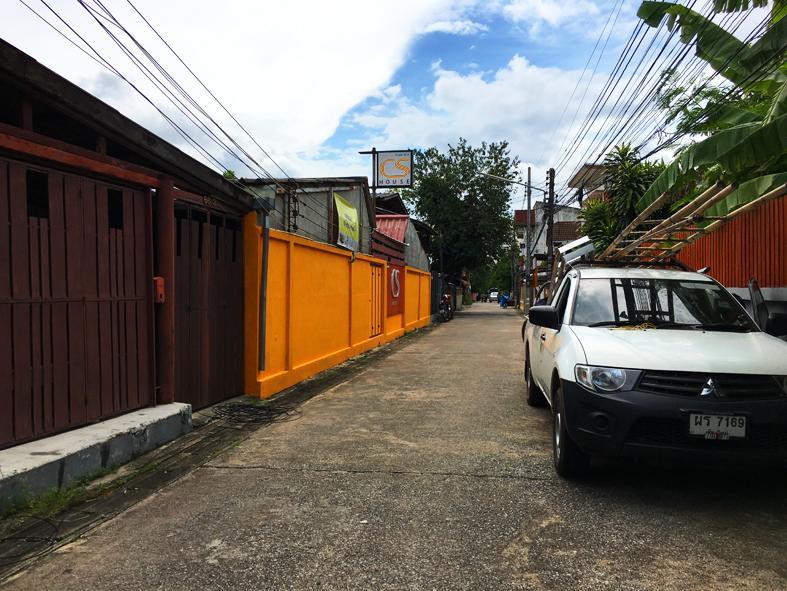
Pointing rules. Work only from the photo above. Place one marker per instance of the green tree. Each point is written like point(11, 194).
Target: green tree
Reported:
point(707, 107)
point(626, 178)
point(470, 212)
point(599, 223)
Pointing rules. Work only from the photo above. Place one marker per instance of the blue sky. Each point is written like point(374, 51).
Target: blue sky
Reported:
point(315, 82)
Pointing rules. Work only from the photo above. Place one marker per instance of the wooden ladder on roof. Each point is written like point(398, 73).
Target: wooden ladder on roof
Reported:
point(650, 240)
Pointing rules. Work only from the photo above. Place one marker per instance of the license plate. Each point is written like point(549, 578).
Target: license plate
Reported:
point(719, 427)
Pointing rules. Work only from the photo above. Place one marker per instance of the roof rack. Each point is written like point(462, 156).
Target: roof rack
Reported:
point(566, 259)
point(672, 262)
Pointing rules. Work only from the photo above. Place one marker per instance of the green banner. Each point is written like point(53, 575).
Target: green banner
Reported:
point(348, 235)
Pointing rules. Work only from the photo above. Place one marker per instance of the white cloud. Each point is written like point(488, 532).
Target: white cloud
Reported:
point(520, 102)
point(458, 27)
point(553, 12)
point(291, 71)
point(288, 70)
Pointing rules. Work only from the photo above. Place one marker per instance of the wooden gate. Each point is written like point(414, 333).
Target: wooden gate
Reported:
point(209, 308)
point(76, 308)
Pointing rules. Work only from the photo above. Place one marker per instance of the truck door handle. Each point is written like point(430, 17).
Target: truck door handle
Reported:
point(543, 336)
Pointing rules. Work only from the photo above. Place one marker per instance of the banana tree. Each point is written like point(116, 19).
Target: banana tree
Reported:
point(750, 149)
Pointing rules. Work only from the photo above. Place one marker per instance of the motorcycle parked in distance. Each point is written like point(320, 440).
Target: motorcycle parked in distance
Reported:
point(446, 308)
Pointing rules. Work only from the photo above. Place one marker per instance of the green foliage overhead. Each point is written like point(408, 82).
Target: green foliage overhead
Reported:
point(469, 211)
point(708, 108)
point(750, 66)
point(695, 157)
point(748, 191)
point(747, 120)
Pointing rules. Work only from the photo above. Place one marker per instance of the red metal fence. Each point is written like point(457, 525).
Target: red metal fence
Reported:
point(76, 310)
point(752, 245)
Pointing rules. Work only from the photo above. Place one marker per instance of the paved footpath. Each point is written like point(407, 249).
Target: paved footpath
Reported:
point(428, 471)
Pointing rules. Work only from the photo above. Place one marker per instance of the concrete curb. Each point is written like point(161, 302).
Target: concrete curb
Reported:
point(61, 460)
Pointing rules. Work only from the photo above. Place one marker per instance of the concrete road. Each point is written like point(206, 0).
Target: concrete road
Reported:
point(428, 471)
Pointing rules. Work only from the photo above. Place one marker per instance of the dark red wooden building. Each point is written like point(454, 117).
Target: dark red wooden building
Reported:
point(92, 208)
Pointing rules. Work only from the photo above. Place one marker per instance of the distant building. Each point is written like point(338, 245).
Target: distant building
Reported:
point(395, 223)
point(565, 228)
point(588, 181)
point(306, 206)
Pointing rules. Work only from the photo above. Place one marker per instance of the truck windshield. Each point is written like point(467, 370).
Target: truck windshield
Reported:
point(664, 303)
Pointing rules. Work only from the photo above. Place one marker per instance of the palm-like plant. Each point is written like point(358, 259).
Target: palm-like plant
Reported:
point(599, 222)
point(626, 178)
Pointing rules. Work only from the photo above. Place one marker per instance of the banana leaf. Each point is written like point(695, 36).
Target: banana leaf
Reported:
point(746, 65)
point(764, 144)
point(779, 105)
point(746, 192)
point(726, 116)
point(702, 153)
point(737, 5)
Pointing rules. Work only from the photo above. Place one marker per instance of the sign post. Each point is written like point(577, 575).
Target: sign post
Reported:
point(391, 168)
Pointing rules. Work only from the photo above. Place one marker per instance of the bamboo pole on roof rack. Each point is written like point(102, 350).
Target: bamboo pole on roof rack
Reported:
point(779, 191)
point(712, 195)
point(640, 219)
point(683, 216)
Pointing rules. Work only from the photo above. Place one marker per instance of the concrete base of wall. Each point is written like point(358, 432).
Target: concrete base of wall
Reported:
point(58, 461)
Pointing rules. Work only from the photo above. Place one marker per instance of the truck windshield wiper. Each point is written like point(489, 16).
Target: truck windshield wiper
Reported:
point(667, 324)
point(618, 323)
point(722, 326)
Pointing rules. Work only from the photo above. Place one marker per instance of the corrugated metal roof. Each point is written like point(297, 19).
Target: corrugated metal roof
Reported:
point(393, 226)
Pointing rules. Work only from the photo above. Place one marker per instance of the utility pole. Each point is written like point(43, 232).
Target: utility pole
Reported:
point(528, 253)
point(550, 220)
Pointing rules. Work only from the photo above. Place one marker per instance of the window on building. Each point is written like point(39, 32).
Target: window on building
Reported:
point(115, 208)
point(37, 194)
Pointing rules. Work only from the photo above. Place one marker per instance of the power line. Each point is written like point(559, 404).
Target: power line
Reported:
point(190, 109)
point(640, 114)
point(590, 79)
point(215, 98)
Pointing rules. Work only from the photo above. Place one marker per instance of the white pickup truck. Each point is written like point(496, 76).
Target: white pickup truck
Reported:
point(654, 362)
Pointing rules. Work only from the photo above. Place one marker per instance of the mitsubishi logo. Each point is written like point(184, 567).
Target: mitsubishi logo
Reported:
point(709, 389)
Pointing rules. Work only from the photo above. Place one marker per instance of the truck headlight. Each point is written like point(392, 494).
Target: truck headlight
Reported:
point(601, 379)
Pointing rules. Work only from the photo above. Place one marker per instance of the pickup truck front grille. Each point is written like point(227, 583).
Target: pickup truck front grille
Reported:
point(739, 386)
point(675, 433)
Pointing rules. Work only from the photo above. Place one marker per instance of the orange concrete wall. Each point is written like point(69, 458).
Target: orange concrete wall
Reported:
point(319, 309)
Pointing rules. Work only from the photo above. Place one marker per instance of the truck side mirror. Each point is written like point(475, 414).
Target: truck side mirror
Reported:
point(545, 316)
point(776, 324)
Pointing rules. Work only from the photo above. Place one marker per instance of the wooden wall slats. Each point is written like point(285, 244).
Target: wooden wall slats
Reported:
point(21, 312)
point(6, 329)
point(752, 245)
point(76, 310)
point(83, 320)
point(5, 234)
point(209, 306)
